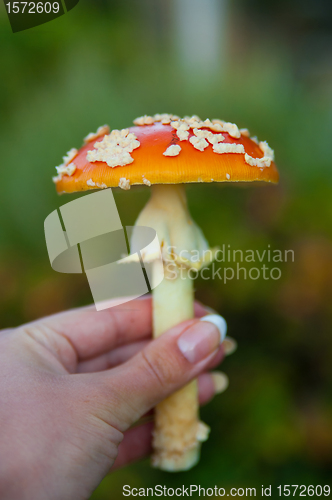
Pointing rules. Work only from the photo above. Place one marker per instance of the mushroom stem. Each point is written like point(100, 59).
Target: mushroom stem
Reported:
point(176, 445)
point(178, 431)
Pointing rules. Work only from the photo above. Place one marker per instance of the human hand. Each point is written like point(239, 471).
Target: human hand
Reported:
point(73, 384)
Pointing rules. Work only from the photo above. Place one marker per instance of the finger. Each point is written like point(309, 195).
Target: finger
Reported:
point(165, 365)
point(111, 358)
point(136, 444)
point(201, 310)
point(216, 359)
point(122, 354)
point(210, 384)
point(137, 441)
point(228, 347)
point(92, 332)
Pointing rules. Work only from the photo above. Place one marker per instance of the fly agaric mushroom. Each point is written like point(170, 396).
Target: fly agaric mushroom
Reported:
point(165, 152)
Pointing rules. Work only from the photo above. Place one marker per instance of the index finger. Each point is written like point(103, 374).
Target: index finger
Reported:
point(93, 332)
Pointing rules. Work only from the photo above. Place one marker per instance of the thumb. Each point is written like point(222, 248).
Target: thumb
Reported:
point(165, 365)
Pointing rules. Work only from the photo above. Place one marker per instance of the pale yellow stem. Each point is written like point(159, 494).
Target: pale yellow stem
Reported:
point(178, 431)
point(176, 444)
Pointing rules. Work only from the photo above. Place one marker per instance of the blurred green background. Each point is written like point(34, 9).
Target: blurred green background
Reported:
point(263, 65)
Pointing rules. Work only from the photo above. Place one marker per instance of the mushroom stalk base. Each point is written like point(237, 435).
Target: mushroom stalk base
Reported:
point(178, 431)
point(175, 442)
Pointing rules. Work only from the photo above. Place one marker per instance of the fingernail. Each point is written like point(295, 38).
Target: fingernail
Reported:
point(220, 381)
point(229, 345)
point(199, 341)
point(219, 322)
